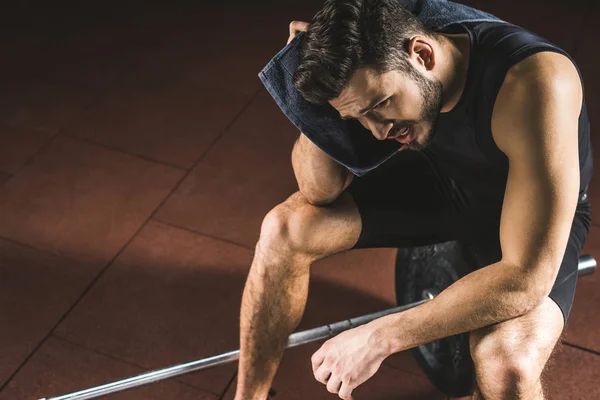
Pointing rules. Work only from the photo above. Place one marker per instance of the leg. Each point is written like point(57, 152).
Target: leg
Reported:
point(293, 236)
point(510, 356)
point(377, 210)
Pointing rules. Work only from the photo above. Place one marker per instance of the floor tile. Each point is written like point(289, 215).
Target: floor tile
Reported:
point(18, 145)
point(245, 175)
point(37, 106)
point(166, 118)
point(59, 368)
point(85, 47)
point(227, 49)
point(81, 201)
point(3, 178)
point(171, 297)
point(573, 374)
point(583, 324)
point(364, 282)
point(295, 380)
point(87, 58)
point(36, 290)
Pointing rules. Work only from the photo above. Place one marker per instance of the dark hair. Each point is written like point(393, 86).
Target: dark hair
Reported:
point(349, 34)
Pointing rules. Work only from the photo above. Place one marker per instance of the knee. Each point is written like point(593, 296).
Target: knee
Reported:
point(287, 227)
point(504, 368)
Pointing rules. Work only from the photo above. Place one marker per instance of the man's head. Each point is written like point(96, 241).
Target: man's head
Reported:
point(362, 53)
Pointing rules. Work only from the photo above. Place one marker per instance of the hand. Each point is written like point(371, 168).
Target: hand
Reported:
point(348, 360)
point(295, 27)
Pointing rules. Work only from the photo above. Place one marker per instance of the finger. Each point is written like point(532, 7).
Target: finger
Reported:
point(345, 392)
point(333, 384)
point(323, 374)
point(317, 359)
point(295, 27)
point(298, 26)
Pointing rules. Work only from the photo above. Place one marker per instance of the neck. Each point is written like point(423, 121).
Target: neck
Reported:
point(455, 64)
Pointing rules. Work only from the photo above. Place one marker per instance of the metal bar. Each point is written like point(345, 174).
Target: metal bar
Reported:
point(587, 265)
point(295, 339)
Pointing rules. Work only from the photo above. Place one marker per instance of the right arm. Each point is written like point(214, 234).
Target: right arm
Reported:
point(320, 178)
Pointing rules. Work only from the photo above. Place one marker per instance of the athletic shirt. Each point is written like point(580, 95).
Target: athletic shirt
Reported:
point(462, 145)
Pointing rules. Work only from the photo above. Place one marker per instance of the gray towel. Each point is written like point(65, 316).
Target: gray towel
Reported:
point(348, 142)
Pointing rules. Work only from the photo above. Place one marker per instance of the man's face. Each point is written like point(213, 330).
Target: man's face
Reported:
point(396, 103)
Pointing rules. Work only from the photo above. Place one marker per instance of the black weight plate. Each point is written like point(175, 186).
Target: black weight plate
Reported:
point(447, 362)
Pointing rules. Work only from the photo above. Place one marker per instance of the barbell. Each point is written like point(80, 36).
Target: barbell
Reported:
point(459, 382)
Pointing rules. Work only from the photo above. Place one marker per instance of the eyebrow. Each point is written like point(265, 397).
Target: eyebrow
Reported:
point(367, 108)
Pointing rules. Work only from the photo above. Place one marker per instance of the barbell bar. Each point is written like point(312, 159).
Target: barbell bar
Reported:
point(586, 266)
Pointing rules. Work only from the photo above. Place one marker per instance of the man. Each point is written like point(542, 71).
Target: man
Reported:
point(494, 151)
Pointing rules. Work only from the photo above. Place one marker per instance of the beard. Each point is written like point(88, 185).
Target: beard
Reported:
point(432, 101)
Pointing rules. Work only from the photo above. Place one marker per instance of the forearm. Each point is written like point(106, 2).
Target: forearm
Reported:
point(320, 178)
point(484, 297)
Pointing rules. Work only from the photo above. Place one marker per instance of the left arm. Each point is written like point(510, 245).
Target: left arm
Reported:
point(535, 123)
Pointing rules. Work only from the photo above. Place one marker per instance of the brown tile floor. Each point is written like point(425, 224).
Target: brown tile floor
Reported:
point(60, 367)
point(17, 146)
point(138, 156)
point(4, 177)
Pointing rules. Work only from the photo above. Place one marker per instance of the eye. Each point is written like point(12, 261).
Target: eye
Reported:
point(382, 104)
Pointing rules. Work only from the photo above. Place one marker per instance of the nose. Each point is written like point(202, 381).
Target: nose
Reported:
point(380, 130)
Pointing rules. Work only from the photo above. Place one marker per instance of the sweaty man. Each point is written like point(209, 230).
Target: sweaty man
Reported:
point(494, 151)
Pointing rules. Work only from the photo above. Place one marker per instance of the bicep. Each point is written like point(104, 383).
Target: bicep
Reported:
point(535, 124)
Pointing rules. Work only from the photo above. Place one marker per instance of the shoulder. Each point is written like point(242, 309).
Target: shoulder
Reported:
point(542, 90)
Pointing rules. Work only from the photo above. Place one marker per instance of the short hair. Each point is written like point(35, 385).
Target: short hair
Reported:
point(346, 35)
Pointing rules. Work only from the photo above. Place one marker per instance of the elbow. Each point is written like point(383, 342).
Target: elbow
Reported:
point(528, 289)
point(533, 298)
point(536, 292)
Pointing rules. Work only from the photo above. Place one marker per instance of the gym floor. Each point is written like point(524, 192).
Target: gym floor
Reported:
point(139, 153)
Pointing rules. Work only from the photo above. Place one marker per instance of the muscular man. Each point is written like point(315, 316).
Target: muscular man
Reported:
point(494, 151)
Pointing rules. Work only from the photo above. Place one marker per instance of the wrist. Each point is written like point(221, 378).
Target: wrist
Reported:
point(383, 338)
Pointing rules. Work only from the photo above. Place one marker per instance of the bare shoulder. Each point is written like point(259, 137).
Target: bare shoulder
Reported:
point(538, 94)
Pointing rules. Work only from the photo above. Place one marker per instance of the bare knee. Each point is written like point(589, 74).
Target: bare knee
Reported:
point(505, 368)
point(291, 230)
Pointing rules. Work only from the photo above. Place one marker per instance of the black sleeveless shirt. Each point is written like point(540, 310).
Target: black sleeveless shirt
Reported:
point(462, 145)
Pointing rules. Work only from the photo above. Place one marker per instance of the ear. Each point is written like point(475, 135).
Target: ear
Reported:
point(421, 51)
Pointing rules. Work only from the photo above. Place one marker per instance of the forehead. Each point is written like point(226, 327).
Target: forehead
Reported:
point(365, 86)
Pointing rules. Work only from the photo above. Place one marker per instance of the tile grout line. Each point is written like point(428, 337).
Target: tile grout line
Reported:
point(75, 303)
point(103, 270)
point(95, 101)
point(107, 266)
point(99, 352)
point(222, 396)
point(226, 129)
point(117, 150)
point(578, 347)
point(102, 94)
point(202, 234)
point(46, 252)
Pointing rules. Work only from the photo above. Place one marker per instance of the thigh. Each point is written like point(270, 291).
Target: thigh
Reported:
point(406, 202)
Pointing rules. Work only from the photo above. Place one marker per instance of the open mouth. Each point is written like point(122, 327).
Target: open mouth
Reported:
point(402, 134)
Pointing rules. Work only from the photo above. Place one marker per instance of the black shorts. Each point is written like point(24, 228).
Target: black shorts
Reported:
point(409, 201)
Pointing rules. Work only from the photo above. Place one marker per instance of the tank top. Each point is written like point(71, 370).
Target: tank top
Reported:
point(462, 146)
